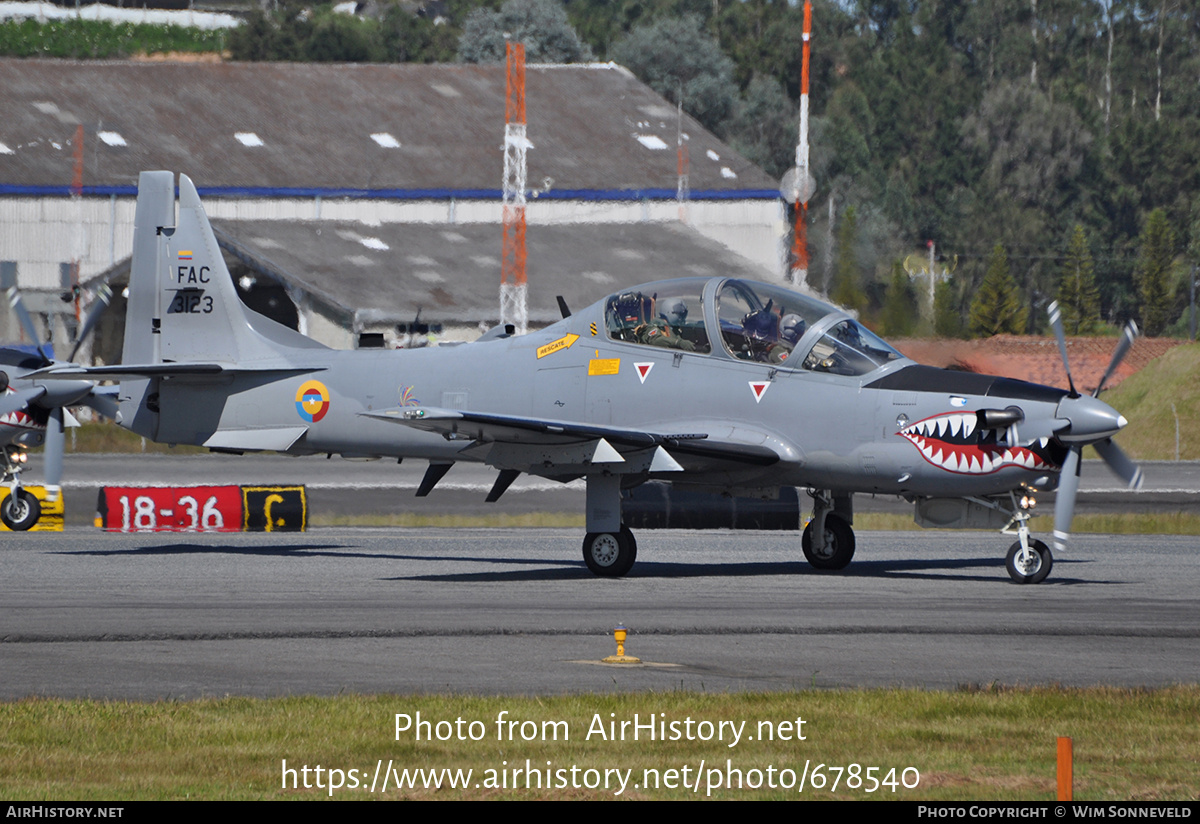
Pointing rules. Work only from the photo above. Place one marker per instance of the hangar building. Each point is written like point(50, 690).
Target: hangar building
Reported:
point(348, 198)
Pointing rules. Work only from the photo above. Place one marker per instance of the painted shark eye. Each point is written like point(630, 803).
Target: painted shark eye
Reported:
point(901, 421)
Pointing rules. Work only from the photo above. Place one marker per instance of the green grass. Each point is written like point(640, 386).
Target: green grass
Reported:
point(975, 743)
point(1146, 399)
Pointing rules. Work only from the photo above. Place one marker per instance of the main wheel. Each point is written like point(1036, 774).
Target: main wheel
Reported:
point(610, 554)
point(20, 510)
point(1031, 570)
point(839, 544)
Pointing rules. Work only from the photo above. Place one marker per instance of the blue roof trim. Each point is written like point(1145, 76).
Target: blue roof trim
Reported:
point(407, 194)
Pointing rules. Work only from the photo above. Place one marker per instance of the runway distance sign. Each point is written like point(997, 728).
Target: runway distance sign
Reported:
point(202, 509)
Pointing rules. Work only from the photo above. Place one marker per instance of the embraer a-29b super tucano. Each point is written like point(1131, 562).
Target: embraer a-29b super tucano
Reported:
point(714, 384)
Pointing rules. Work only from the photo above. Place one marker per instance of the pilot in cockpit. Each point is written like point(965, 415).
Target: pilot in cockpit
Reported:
point(760, 331)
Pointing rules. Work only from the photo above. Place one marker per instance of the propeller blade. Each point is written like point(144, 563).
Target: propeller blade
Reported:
point(1127, 338)
point(55, 446)
point(1056, 324)
point(1120, 463)
point(19, 400)
point(1064, 501)
point(103, 298)
point(18, 304)
point(104, 403)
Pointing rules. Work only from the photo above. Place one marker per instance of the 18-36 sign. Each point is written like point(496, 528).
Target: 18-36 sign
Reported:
point(202, 509)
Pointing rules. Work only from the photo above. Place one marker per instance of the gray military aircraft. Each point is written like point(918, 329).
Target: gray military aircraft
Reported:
point(715, 384)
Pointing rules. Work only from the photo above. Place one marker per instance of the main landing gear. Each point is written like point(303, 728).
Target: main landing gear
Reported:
point(610, 554)
point(609, 548)
point(828, 540)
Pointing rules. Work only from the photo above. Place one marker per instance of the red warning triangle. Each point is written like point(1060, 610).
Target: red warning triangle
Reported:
point(643, 369)
point(759, 388)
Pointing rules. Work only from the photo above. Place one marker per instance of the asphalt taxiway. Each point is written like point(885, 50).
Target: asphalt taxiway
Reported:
point(513, 611)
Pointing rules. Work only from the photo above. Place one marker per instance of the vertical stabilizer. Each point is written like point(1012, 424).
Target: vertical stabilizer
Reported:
point(183, 307)
point(202, 317)
point(138, 407)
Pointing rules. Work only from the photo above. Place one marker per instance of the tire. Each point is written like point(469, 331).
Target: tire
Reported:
point(1033, 572)
point(839, 544)
point(20, 510)
point(610, 554)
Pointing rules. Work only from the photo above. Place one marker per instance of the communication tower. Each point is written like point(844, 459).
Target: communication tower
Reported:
point(512, 265)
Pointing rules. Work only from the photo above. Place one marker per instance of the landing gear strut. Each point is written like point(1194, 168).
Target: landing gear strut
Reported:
point(609, 549)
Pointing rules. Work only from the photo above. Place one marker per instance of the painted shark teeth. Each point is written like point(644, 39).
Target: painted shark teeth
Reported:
point(964, 454)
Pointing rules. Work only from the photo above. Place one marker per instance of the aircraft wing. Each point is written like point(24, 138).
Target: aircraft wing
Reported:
point(545, 435)
point(161, 370)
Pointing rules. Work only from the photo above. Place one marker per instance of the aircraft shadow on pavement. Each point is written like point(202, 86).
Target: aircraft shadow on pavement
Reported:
point(300, 551)
point(543, 569)
point(909, 569)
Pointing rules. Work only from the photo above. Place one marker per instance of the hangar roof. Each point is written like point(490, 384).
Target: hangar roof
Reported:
point(452, 272)
point(391, 130)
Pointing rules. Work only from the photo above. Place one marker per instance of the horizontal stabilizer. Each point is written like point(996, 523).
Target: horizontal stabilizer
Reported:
point(266, 440)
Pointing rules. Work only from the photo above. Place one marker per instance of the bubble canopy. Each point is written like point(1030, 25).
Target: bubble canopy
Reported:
point(746, 320)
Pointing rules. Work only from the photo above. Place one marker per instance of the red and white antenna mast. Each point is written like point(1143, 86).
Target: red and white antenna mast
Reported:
point(512, 265)
point(798, 184)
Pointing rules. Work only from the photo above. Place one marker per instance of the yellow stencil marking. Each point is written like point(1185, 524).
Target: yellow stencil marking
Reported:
point(604, 366)
point(555, 346)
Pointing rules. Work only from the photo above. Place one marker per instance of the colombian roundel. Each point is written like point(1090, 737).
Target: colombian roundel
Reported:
point(312, 401)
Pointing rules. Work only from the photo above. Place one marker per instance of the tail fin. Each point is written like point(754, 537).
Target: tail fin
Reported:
point(179, 284)
point(183, 307)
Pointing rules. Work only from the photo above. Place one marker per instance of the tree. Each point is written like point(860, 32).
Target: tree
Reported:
point(672, 55)
point(541, 25)
point(947, 314)
point(998, 307)
point(765, 128)
point(1078, 297)
point(847, 288)
point(1155, 273)
point(900, 312)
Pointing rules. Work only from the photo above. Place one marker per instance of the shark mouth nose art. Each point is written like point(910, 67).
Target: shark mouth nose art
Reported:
point(951, 441)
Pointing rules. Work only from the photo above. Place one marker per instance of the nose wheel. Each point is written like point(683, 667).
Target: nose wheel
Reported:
point(1029, 566)
point(610, 554)
point(20, 510)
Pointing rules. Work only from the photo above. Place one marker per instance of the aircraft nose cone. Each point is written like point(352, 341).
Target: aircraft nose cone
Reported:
point(1090, 419)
